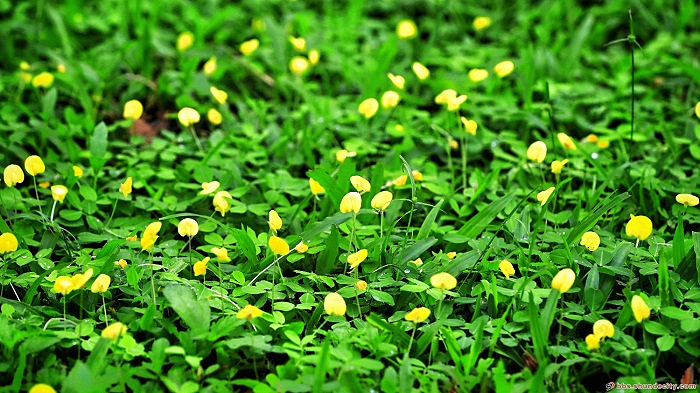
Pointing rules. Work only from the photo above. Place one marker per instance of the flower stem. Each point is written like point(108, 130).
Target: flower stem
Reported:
point(114, 208)
point(53, 209)
point(153, 286)
point(104, 307)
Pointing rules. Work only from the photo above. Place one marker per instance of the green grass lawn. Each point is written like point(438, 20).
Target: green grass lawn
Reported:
point(349, 196)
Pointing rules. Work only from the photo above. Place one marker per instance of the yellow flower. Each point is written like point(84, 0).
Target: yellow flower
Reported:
point(8, 243)
point(640, 309)
point(454, 145)
point(184, 41)
point(59, 193)
point(249, 312)
point(219, 95)
point(314, 56)
point(63, 285)
point(42, 388)
point(61, 68)
point(341, 155)
point(301, 247)
point(150, 235)
point(537, 152)
point(361, 285)
point(133, 109)
point(80, 279)
point(249, 46)
point(390, 99)
point(278, 246)
point(543, 196)
point(121, 263)
point(77, 171)
point(187, 227)
point(298, 43)
point(469, 125)
point(356, 258)
point(34, 165)
point(334, 304)
point(685, 199)
point(697, 109)
point(478, 75)
point(590, 240)
point(13, 174)
point(406, 29)
point(114, 331)
point(566, 141)
point(382, 200)
point(592, 342)
point(214, 117)
point(368, 108)
point(563, 281)
point(481, 22)
point(417, 176)
point(397, 80)
point(221, 203)
point(417, 262)
point(132, 238)
point(101, 283)
point(603, 328)
point(591, 138)
point(208, 188)
point(23, 65)
point(25, 76)
point(558, 165)
point(298, 65)
point(504, 68)
point(443, 281)
point(507, 268)
point(418, 315)
point(221, 254)
point(316, 187)
point(45, 184)
point(126, 187)
point(351, 202)
point(421, 71)
point(274, 220)
point(449, 97)
point(188, 116)
point(639, 227)
point(200, 267)
point(360, 183)
point(44, 79)
point(603, 144)
point(210, 66)
point(400, 181)
point(258, 24)
point(452, 254)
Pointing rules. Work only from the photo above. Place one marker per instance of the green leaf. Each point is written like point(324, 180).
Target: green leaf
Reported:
point(332, 190)
point(397, 333)
point(665, 342)
point(656, 328)
point(98, 147)
point(481, 220)
point(676, 313)
point(538, 339)
point(326, 260)
point(416, 249)
point(324, 358)
point(592, 218)
point(429, 221)
point(195, 313)
point(246, 245)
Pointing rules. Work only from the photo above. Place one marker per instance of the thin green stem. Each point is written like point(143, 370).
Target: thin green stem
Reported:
point(357, 297)
point(114, 209)
point(104, 307)
point(36, 193)
point(464, 162)
point(153, 285)
point(53, 210)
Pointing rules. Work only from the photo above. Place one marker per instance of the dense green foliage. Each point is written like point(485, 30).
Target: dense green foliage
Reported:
point(465, 196)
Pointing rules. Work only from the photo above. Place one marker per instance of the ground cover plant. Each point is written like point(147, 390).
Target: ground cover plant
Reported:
point(349, 196)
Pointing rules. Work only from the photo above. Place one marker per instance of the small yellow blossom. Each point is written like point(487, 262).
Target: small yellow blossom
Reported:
point(219, 95)
point(603, 328)
point(417, 175)
point(452, 254)
point(210, 66)
point(361, 285)
point(368, 108)
point(249, 312)
point(13, 175)
point(390, 99)
point(406, 29)
point(603, 144)
point(341, 155)
point(209, 187)
point(360, 183)
point(250, 46)
point(187, 227)
point(590, 240)
point(382, 200)
point(697, 109)
point(481, 22)
point(563, 281)
point(640, 309)
point(537, 151)
point(506, 268)
point(274, 220)
point(221, 254)
point(221, 204)
point(44, 80)
point(469, 125)
point(557, 166)
point(42, 388)
point(351, 202)
point(278, 246)
point(397, 80)
point(298, 43)
point(418, 315)
point(591, 138)
point(59, 193)
point(454, 145)
point(101, 284)
point(400, 181)
point(126, 187)
point(200, 267)
point(188, 116)
point(63, 285)
point(639, 227)
point(298, 65)
point(334, 304)
point(214, 117)
point(504, 68)
point(450, 98)
point(132, 238)
point(444, 281)
point(121, 263)
point(133, 109)
point(477, 74)
point(79, 280)
point(566, 141)
point(150, 235)
point(314, 56)
point(8, 243)
point(417, 262)
point(301, 247)
point(45, 184)
point(34, 165)
point(356, 258)
point(77, 171)
point(421, 71)
point(592, 342)
point(543, 196)
point(685, 199)
point(114, 331)
point(316, 187)
point(184, 41)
